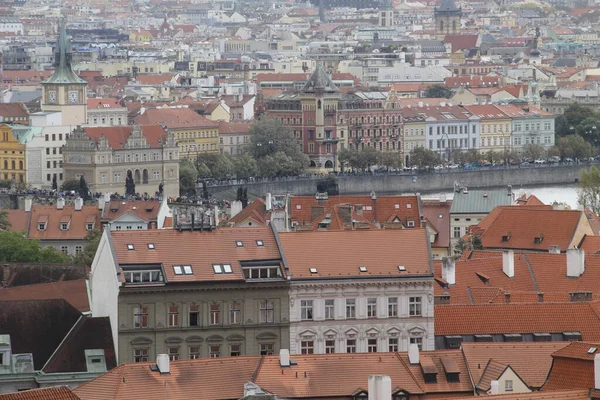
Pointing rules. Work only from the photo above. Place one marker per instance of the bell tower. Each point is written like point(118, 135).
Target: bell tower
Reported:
point(447, 19)
point(64, 90)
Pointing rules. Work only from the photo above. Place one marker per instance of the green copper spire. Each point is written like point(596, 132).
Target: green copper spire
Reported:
point(63, 53)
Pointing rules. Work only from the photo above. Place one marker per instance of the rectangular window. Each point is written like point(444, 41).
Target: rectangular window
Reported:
point(173, 316)
point(372, 307)
point(194, 352)
point(307, 347)
point(372, 345)
point(456, 232)
point(235, 314)
point(351, 346)
point(235, 350)
point(508, 386)
point(194, 315)
point(414, 306)
point(64, 249)
point(418, 341)
point(214, 351)
point(173, 353)
point(266, 349)
point(306, 310)
point(78, 249)
point(350, 308)
point(392, 307)
point(215, 314)
point(329, 309)
point(140, 355)
point(393, 344)
point(266, 312)
point(329, 346)
point(140, 317)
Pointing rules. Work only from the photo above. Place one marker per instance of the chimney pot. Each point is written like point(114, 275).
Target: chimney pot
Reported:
point(507, 298)
point(380, 387)
point(540, 297)
point(28, 203)
point(284, 358)
point(508, 263)
point(60, 203)
point(78, 204)
point(575, 263)
point(162, 362)
point(449, 270)
point(413, 354)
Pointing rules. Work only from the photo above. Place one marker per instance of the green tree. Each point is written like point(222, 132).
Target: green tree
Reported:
point(269, 137)
point(574, 115)
point(70, 185)
point(423, 158)
point(245, 167)
point(589, 189)
point(493, 156)
point(589, 130)
point(92, 240)
point(347, 158)
point(203, 171)
point(367, 158)
point(553, 151)
point(472, 156)
point(188, 176)
point(533, 151)
point(439, 91)
point(391, 159)
point(574, 146)
point(4, 223)
point(223, 169)
point(15, 247)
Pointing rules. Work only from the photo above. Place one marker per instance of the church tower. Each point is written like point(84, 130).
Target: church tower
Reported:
point(64, 90)
point(447, 19)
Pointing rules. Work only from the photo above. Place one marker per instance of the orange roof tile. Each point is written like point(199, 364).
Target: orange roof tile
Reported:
point(49, 393)
point(381, 252)
point(74, 292)
point(174, 118)
point(154, 79)
point(103, 103)
point(256, 211)
point(18, 219)
point(200, 250)
point(438, 216)
point(52, 216)
point(545, 395)
point(145, 210)
point(118, 135)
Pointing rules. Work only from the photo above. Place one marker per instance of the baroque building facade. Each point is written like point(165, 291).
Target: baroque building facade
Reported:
point(106, 156)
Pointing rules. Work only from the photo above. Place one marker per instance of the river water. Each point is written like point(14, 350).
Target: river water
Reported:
point(547, 194)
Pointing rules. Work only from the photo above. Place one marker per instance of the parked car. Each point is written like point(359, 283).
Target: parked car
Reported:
point(540, 161)
point(568, 160)
point(554, 159)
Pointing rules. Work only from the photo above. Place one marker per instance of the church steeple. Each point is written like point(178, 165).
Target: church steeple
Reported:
point(63, 54)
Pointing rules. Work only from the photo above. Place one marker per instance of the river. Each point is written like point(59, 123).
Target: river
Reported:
point(549, 194)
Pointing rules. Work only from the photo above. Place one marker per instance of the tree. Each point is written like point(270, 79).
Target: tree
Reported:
point(71, 185)
point(188, 176)
point(573, 116)
point(328, 185)
point(92, 240)
point(574, 146)
point(472, 156)
point(245, 167)
point(391, 159)
point(4, 223)
point(84, 191)
point(439, 91)
point(533, 151)
point(347, 158)
point(129, 184)
point(423, 158)
point(493, 156)
point(269, 136)
point(367, 158)
point(223, 169)
point(589, 189)
point(203, 171)
point(589, 130)
point(15, 247)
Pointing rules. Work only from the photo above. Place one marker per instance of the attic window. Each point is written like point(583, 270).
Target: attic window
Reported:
point(177, 269)
point(440, 216)
point(64, 226)
point(134, 208)
point(538, 239)
point(42, 227)
point(409, 205)
point(298, 206)
point(505, 238)
point(239, 243)
point(130, 247)
point(227, 268)
point(592, 350)
point(313, 270)
point(187, 270)
point(151, 246)
point(410, 224)
point(397, 206)
point(362, 268)
point(89, 226)
point(260, 243)
point(217, 268)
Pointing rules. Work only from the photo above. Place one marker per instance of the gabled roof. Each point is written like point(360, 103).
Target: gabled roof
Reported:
point(18, 219)
point(53, 218)
point(117, 136)
point(103, 103)
point(461, 42)
point(320, 80)
point(572, 367)
point(256, 211)
point(380, 251)
point(145, 210)
point(437, 215)
point(200, 250)
point(530, 360)
point(13, 110)
point(49, 393)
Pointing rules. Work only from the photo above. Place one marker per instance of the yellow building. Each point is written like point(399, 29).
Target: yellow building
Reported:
point(12, 157)
point(495, 127)
point(193, 133)
point(414, 132)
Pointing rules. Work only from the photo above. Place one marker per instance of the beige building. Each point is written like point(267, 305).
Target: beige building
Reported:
point(233, 137)
point(105, 156)
point(222, 293)
point(106, 111)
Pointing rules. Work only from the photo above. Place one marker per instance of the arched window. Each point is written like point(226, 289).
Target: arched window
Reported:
point(12, 163)
point(319, 104)
point(145, 176)
point(21, 165)
point(5, 164)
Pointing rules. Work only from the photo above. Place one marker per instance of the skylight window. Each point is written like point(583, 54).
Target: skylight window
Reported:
point(151, 246)
point(187, 270)
point(239, 243)
point(217, 268)
point(313, 270)
point(177, 270)
point(401, 268)
point(362, 268)
point(592, 350)
point(260, 243)
point(130, 247)
point(227, 268)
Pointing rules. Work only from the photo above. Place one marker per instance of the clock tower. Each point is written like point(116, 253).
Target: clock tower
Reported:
point(64, 90)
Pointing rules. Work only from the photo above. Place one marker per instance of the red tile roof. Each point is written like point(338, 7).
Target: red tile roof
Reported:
point(103, 103)
point(154, 79)
point(233, 128)
point(174, 118)
point(53, 217)
point(518, 318)
point(471, 81)
point(380, 251)
point(572, 368)
point(18, 219)
point(255, 211)
point(545, 395)
point(145, 210)
point(118, 135)
point(437, 215)
point(50, 393)
point(461, 42)
point(200, 250)
point(590, 244)
point(75, 292)
point(13, 110)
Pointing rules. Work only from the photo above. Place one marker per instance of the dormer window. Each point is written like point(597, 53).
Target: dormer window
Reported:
point(89, 226)
point(260, 243)
point(151, 246)
point(64, 226)
point(130, 247)
point(538, 239)
point(506, 237)
point(42, 226)
point(239, 243)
